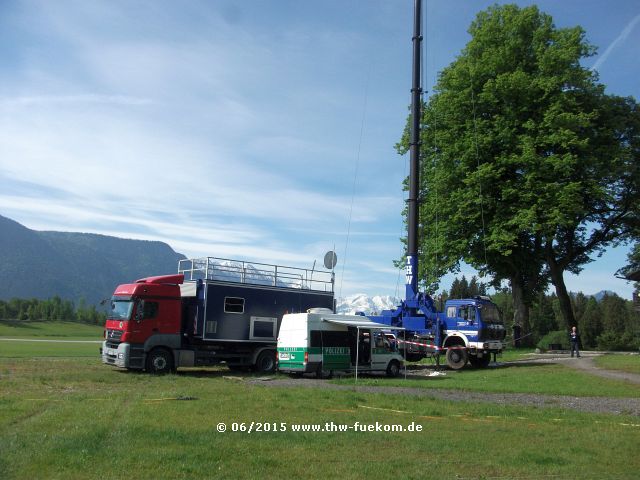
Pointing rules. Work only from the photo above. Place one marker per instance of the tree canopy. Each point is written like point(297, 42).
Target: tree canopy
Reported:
point(528, 168)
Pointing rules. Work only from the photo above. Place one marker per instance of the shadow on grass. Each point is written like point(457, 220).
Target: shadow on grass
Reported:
point(415, 372)
point(468, 368)
point(19, 324)
point(219, 372)
point(525, 364)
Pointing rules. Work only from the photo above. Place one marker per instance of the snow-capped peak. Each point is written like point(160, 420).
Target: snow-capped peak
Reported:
point(361, 302)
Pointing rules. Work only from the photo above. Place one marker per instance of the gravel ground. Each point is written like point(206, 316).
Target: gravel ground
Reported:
point(616, 406)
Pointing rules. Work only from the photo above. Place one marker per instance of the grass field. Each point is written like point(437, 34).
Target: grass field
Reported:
point(75, 418)
point(65, 336)
point(53, 330)
point(522, 378)
point(626, 363)
point(34, 349)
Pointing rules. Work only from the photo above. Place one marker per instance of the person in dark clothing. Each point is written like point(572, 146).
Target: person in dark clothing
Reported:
point(574, 338)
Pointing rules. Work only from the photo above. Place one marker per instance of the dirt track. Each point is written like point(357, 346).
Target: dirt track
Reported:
point(585, 364)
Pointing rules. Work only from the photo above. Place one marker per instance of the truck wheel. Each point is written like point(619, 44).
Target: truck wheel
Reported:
point(480, 362)
point(266, 362)
point(393, 369)
point(159, 361)
point(456, 358)
point(322, 373)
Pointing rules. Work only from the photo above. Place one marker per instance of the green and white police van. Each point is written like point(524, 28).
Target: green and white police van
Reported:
point(322, 342)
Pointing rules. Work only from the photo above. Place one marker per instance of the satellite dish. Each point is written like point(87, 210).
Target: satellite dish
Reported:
point(330, 260)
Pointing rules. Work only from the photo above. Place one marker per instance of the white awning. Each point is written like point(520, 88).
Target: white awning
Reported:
point(358, 322)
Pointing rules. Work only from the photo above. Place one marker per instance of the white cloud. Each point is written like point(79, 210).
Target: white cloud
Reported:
point(220, 130)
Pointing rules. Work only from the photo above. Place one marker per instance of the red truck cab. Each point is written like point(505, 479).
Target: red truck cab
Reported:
point(142, 314)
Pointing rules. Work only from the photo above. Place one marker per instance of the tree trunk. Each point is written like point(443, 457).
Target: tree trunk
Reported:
point(521, 327)
point(557, 278)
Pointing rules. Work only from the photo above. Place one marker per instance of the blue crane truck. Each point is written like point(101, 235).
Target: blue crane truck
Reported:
point(469, 330)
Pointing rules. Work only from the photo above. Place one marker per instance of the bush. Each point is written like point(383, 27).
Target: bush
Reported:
point(558, 337)
point(613, 341)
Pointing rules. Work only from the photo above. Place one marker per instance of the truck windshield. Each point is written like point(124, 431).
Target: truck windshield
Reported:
point(490, 314)
point(120, 309)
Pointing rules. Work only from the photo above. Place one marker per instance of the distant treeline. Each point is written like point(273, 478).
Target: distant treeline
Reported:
point(52, 309)
point(610, 323)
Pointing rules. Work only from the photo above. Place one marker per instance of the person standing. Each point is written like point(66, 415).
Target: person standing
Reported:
point(574, 338)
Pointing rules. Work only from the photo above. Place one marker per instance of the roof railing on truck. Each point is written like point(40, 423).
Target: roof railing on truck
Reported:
point(253, 273)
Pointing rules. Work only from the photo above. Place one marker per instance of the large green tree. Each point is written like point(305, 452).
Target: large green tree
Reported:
point(527, 166)
point(632, 270)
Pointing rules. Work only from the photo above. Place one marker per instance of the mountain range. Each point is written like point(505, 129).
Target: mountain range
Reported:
point(361, 302)
point(40, 264)
point(43, 264)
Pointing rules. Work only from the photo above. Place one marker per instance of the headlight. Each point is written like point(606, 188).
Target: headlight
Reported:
point(121, 356)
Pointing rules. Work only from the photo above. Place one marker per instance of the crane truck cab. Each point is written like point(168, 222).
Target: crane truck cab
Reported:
point(473, 330)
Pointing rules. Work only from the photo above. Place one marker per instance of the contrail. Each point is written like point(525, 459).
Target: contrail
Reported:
point(621, 38)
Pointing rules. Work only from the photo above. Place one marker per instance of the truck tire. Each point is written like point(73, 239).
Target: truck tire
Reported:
point(393, 369)
point(159, 362)
point(456, 358)
point(266, 362)
point(322, 373)
point(480, 362)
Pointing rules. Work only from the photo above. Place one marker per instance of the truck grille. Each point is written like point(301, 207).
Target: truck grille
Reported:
point(492, 332)
point(114, 336)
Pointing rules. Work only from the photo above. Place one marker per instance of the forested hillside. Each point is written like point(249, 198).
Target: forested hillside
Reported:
point(74, 266)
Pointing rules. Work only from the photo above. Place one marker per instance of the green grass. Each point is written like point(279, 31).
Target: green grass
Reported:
point(29, 349)
point(512, 354)
point(76, 418)
point(62, 336)
point(522, 377)
point(626, 363)
point(56, 330)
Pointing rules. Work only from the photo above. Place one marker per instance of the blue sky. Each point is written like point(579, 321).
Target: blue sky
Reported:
point(234, 129)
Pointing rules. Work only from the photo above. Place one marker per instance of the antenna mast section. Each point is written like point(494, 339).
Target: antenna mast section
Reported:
point(414, 157)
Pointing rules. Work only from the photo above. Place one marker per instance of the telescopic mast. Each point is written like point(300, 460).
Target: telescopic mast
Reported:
point(414, 156)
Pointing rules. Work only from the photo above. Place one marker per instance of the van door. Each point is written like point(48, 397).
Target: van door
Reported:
point(364, 348)
point(381, 352)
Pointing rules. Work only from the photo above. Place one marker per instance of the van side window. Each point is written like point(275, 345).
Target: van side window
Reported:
point(316, 339)
point(328, 338)
point(233, 305)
